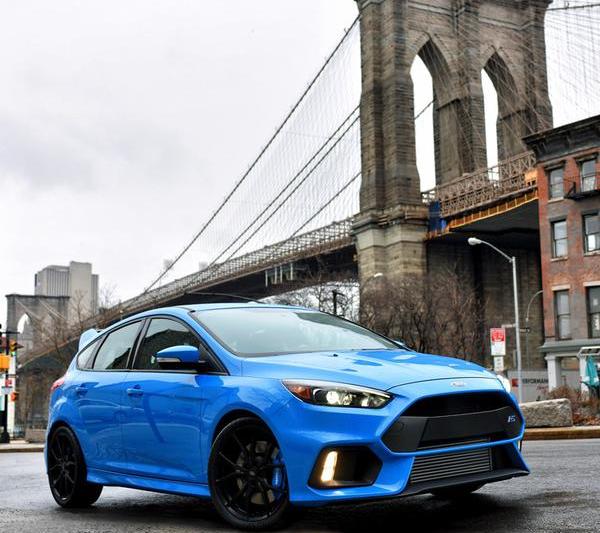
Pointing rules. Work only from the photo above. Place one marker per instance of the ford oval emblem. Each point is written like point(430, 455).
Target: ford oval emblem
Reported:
point(458, 384)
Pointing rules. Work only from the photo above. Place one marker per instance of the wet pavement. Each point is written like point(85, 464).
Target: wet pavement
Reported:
point(562, 494)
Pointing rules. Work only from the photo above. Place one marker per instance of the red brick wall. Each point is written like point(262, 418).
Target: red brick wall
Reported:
point(577, 268)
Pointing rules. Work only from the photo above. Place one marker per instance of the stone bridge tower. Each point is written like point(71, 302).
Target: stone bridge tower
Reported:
point(40, 310)
point(456, 39)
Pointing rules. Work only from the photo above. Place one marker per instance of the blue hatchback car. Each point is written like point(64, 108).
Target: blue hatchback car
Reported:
point(264, 407)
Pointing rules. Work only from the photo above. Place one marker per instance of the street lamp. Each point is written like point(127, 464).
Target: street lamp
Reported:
point(474, 241)
point(335, 293)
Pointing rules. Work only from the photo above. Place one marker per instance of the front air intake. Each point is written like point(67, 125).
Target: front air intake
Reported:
point(450, 465)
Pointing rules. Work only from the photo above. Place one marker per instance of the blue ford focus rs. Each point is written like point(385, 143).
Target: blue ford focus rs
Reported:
point(263, 408)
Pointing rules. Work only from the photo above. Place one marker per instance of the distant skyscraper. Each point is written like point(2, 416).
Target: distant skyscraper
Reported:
point(75, 281)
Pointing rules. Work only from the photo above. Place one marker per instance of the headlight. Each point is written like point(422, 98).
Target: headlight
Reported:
point(337, 394)
point(505, 383)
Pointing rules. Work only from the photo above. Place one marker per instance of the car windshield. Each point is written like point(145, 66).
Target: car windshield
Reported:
point(254, 332)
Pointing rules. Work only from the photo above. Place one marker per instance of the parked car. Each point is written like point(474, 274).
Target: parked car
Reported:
point(265, 407)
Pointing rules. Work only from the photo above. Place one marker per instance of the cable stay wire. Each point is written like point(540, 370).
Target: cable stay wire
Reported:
point(256, 160)
point(294, 178)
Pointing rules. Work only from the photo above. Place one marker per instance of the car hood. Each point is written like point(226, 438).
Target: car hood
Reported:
point(378, 369)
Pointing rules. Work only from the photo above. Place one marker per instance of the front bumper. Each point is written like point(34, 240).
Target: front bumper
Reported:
point(304, 431)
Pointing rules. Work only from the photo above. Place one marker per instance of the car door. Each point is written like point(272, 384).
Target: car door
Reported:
point(98, 391)
point(162, 423)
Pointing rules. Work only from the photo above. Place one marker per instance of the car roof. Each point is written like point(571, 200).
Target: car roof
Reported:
point(89, 335)
point(211, 306)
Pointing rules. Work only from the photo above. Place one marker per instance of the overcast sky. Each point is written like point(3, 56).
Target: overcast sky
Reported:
point(123, 123)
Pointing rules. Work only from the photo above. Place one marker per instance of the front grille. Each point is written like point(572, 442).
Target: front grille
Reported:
point(449, 465)
point(458, 404)
point(446, 420)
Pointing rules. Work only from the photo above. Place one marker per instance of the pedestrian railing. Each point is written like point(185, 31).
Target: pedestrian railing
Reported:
point(484, 187)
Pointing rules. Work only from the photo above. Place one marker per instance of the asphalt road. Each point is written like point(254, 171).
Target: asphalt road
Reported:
point(562, 494)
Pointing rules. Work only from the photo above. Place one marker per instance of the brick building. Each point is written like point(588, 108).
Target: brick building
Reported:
point(568, 173)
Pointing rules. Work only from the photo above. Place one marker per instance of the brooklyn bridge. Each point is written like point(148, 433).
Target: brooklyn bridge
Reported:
point(339, 191)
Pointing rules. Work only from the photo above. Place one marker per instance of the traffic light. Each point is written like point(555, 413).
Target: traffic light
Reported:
point(12, 347)
point(14, 396)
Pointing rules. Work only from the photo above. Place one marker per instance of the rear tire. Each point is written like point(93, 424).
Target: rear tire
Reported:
point(247, 477)
point(67, 473)
point(460, 491)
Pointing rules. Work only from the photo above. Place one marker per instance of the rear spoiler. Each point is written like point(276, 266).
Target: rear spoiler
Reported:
point(87, 336)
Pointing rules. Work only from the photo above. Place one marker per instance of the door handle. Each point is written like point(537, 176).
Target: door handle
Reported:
point(135, 391)
point(81, 390)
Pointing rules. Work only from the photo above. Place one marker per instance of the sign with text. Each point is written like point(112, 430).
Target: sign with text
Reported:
point(498, 363)
point(498, 341)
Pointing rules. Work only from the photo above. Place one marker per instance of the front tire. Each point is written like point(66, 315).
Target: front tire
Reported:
point(460, 491)
point(67, 472)
point(247, 476)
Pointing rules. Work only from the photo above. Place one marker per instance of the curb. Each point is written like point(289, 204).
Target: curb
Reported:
point(21, 447)
point(575, 432)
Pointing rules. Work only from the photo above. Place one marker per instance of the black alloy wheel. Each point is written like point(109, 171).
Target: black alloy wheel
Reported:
point(247, 476)
point(67, 472)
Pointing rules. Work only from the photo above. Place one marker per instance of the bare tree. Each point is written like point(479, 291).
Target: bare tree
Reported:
point(317, 292)
point(434, 314)
point(54, 333)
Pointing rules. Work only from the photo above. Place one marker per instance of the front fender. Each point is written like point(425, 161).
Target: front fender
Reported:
point(264, 398)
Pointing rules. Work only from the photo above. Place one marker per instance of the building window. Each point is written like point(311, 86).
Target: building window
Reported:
point(563, 315)
point(591, 228)
point(587, 170)
point(594, 311)
point(559, 239)
point(557, 189)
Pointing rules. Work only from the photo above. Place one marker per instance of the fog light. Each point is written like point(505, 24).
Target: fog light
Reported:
point(345, 466)
point(328, 472)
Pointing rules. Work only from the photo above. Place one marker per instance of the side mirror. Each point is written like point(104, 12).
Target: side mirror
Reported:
point(179, 358)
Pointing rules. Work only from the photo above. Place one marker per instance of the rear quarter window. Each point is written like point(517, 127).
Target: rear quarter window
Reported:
point(85, 358)
point(116, 348)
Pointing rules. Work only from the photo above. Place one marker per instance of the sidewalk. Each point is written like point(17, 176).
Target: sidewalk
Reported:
point(574, 432)
point(17, 446)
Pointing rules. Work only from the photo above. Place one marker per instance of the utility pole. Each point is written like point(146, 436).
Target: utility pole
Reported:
point(335, 295)
point(4, 435)
point(473, 241)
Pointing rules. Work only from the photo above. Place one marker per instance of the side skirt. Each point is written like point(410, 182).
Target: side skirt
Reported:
point(114, 479)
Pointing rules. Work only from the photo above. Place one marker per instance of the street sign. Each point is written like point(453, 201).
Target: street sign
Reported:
point(498, 341)
point(5, 391)
point(499, 363)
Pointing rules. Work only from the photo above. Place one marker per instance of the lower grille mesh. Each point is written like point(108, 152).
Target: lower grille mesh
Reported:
point(449, 465)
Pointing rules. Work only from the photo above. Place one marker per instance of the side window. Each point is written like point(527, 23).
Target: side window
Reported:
point(594, 311)
point(560, 244)
point(162, 333)
point(591, 229)
point(563, 314)
point(116, 348)
point(587, 170)
point(85, 359)
point(557, 189)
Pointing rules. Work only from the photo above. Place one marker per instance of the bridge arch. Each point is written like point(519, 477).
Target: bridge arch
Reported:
point(456, 39)
point(447, 132)
point(512, 123)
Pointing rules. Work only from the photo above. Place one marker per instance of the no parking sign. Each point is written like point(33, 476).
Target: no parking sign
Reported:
point(498, 340)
